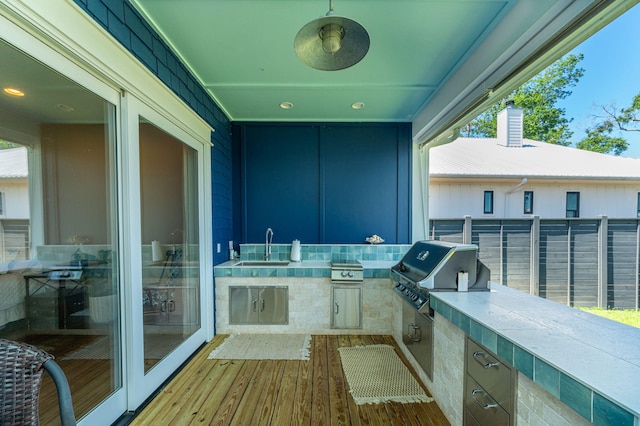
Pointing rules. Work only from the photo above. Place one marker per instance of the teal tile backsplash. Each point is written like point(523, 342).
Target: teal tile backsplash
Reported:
point(606, 412)
point(547, 376)
point(575, 395)
point(327, 252)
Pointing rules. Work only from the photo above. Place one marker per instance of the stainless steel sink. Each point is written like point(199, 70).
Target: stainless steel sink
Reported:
point(268, 263)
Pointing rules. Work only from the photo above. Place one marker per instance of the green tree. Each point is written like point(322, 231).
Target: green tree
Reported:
point(600, 137)
point(600, 140)
point(542, 120)
point(6, 144)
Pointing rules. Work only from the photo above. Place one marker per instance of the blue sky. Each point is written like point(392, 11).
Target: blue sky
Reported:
point(612, 76)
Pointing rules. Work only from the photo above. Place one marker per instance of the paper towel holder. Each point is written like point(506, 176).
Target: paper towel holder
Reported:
point(156, 251)
point(295, 251)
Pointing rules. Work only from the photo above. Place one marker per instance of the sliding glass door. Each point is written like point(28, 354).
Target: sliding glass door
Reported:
point(102, 228)
point(170, 241)
point(164, 202)
point(59, 246)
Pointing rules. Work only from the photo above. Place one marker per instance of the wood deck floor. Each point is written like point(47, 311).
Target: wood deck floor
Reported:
point(264, 392)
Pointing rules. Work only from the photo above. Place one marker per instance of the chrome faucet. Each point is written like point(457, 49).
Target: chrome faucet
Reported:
point(267, 243)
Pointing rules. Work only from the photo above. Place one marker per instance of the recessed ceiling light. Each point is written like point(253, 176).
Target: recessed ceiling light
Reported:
point(65, 108)
point(286, 105)
point(13, 91)
point(357, 105)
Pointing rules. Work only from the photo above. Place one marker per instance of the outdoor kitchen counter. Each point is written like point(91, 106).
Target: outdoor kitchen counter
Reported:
point(590, 363)
point(306, 268)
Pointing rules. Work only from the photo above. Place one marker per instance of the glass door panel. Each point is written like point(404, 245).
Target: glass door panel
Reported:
point(59, 287)
point(170, 242)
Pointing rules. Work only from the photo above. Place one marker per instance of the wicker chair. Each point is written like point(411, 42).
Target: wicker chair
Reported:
point(21, 368)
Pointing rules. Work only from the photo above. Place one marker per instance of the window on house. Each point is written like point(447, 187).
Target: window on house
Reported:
point(573, 204)
point(1, 203)
point(528, 202)
point(638, 204)
point(488, 202)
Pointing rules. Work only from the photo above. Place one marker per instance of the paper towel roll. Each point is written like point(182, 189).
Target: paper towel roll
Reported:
point(295, 251)
point(156, 251)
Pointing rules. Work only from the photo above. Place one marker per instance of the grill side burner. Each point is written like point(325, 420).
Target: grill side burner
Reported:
point(346, 271)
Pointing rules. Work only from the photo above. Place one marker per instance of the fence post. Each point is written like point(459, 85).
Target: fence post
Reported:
point(603, 237)
point(534, 268)
point(637, 269)
point(466, 230)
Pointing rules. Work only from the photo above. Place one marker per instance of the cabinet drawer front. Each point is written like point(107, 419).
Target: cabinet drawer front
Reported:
point(482, 407)
point(490, 373)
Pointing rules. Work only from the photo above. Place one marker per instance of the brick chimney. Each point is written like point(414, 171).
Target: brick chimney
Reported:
point(510, 126)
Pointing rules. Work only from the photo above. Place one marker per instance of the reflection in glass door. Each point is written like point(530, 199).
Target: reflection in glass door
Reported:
point(170, 242)
point(59, 286)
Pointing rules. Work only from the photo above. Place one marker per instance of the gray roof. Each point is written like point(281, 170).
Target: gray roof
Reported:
point(13, 163)
point(470, 157)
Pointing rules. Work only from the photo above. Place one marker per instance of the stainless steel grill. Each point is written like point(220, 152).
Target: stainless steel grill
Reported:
point(432, 266)
point(438, 266)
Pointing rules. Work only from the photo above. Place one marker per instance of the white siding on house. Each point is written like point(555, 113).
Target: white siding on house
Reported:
point(455, 200)
point(15, 200)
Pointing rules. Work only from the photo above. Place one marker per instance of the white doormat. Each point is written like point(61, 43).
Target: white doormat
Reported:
point(376, 374)
point(263, 346)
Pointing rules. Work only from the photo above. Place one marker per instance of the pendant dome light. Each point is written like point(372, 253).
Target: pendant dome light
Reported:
point(332, 42)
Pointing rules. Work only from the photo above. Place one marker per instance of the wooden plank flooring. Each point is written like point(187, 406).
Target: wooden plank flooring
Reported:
point(263, 392)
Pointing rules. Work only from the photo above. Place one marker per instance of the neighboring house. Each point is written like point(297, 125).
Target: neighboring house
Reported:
point(553, 221)
point(14, 204)
point(512, 177)
point(14, 190)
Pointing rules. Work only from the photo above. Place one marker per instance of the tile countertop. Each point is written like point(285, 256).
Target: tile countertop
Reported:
point(576, 356)
point(306, 268)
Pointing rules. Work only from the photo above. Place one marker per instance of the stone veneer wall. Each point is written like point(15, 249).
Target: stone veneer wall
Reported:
point(535, 406)
point(310, 306)
point(448, 368)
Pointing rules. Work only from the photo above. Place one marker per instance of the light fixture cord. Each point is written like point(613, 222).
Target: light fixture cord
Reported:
point(330, 5)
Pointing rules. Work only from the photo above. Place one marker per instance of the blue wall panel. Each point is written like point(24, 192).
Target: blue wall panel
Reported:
point(281, 182)
point(330, 183)
point(362, 194)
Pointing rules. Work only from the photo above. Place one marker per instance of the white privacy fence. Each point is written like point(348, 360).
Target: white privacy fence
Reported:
point(578, 262)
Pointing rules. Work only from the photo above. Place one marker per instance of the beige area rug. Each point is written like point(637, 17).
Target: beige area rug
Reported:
point(157, 346)
point(376, 374)
point(263, 346)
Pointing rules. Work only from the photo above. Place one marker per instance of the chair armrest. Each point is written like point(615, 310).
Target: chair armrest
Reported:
point(67, 415)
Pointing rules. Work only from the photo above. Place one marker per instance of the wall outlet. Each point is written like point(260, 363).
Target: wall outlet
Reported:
point(218, 249)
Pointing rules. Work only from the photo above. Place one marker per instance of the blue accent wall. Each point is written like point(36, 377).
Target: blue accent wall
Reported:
point(326, 183)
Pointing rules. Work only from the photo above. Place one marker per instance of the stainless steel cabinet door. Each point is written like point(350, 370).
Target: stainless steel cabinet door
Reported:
point(243, 305)
point(347, 307)
point(274, 305)
point(259, 305)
